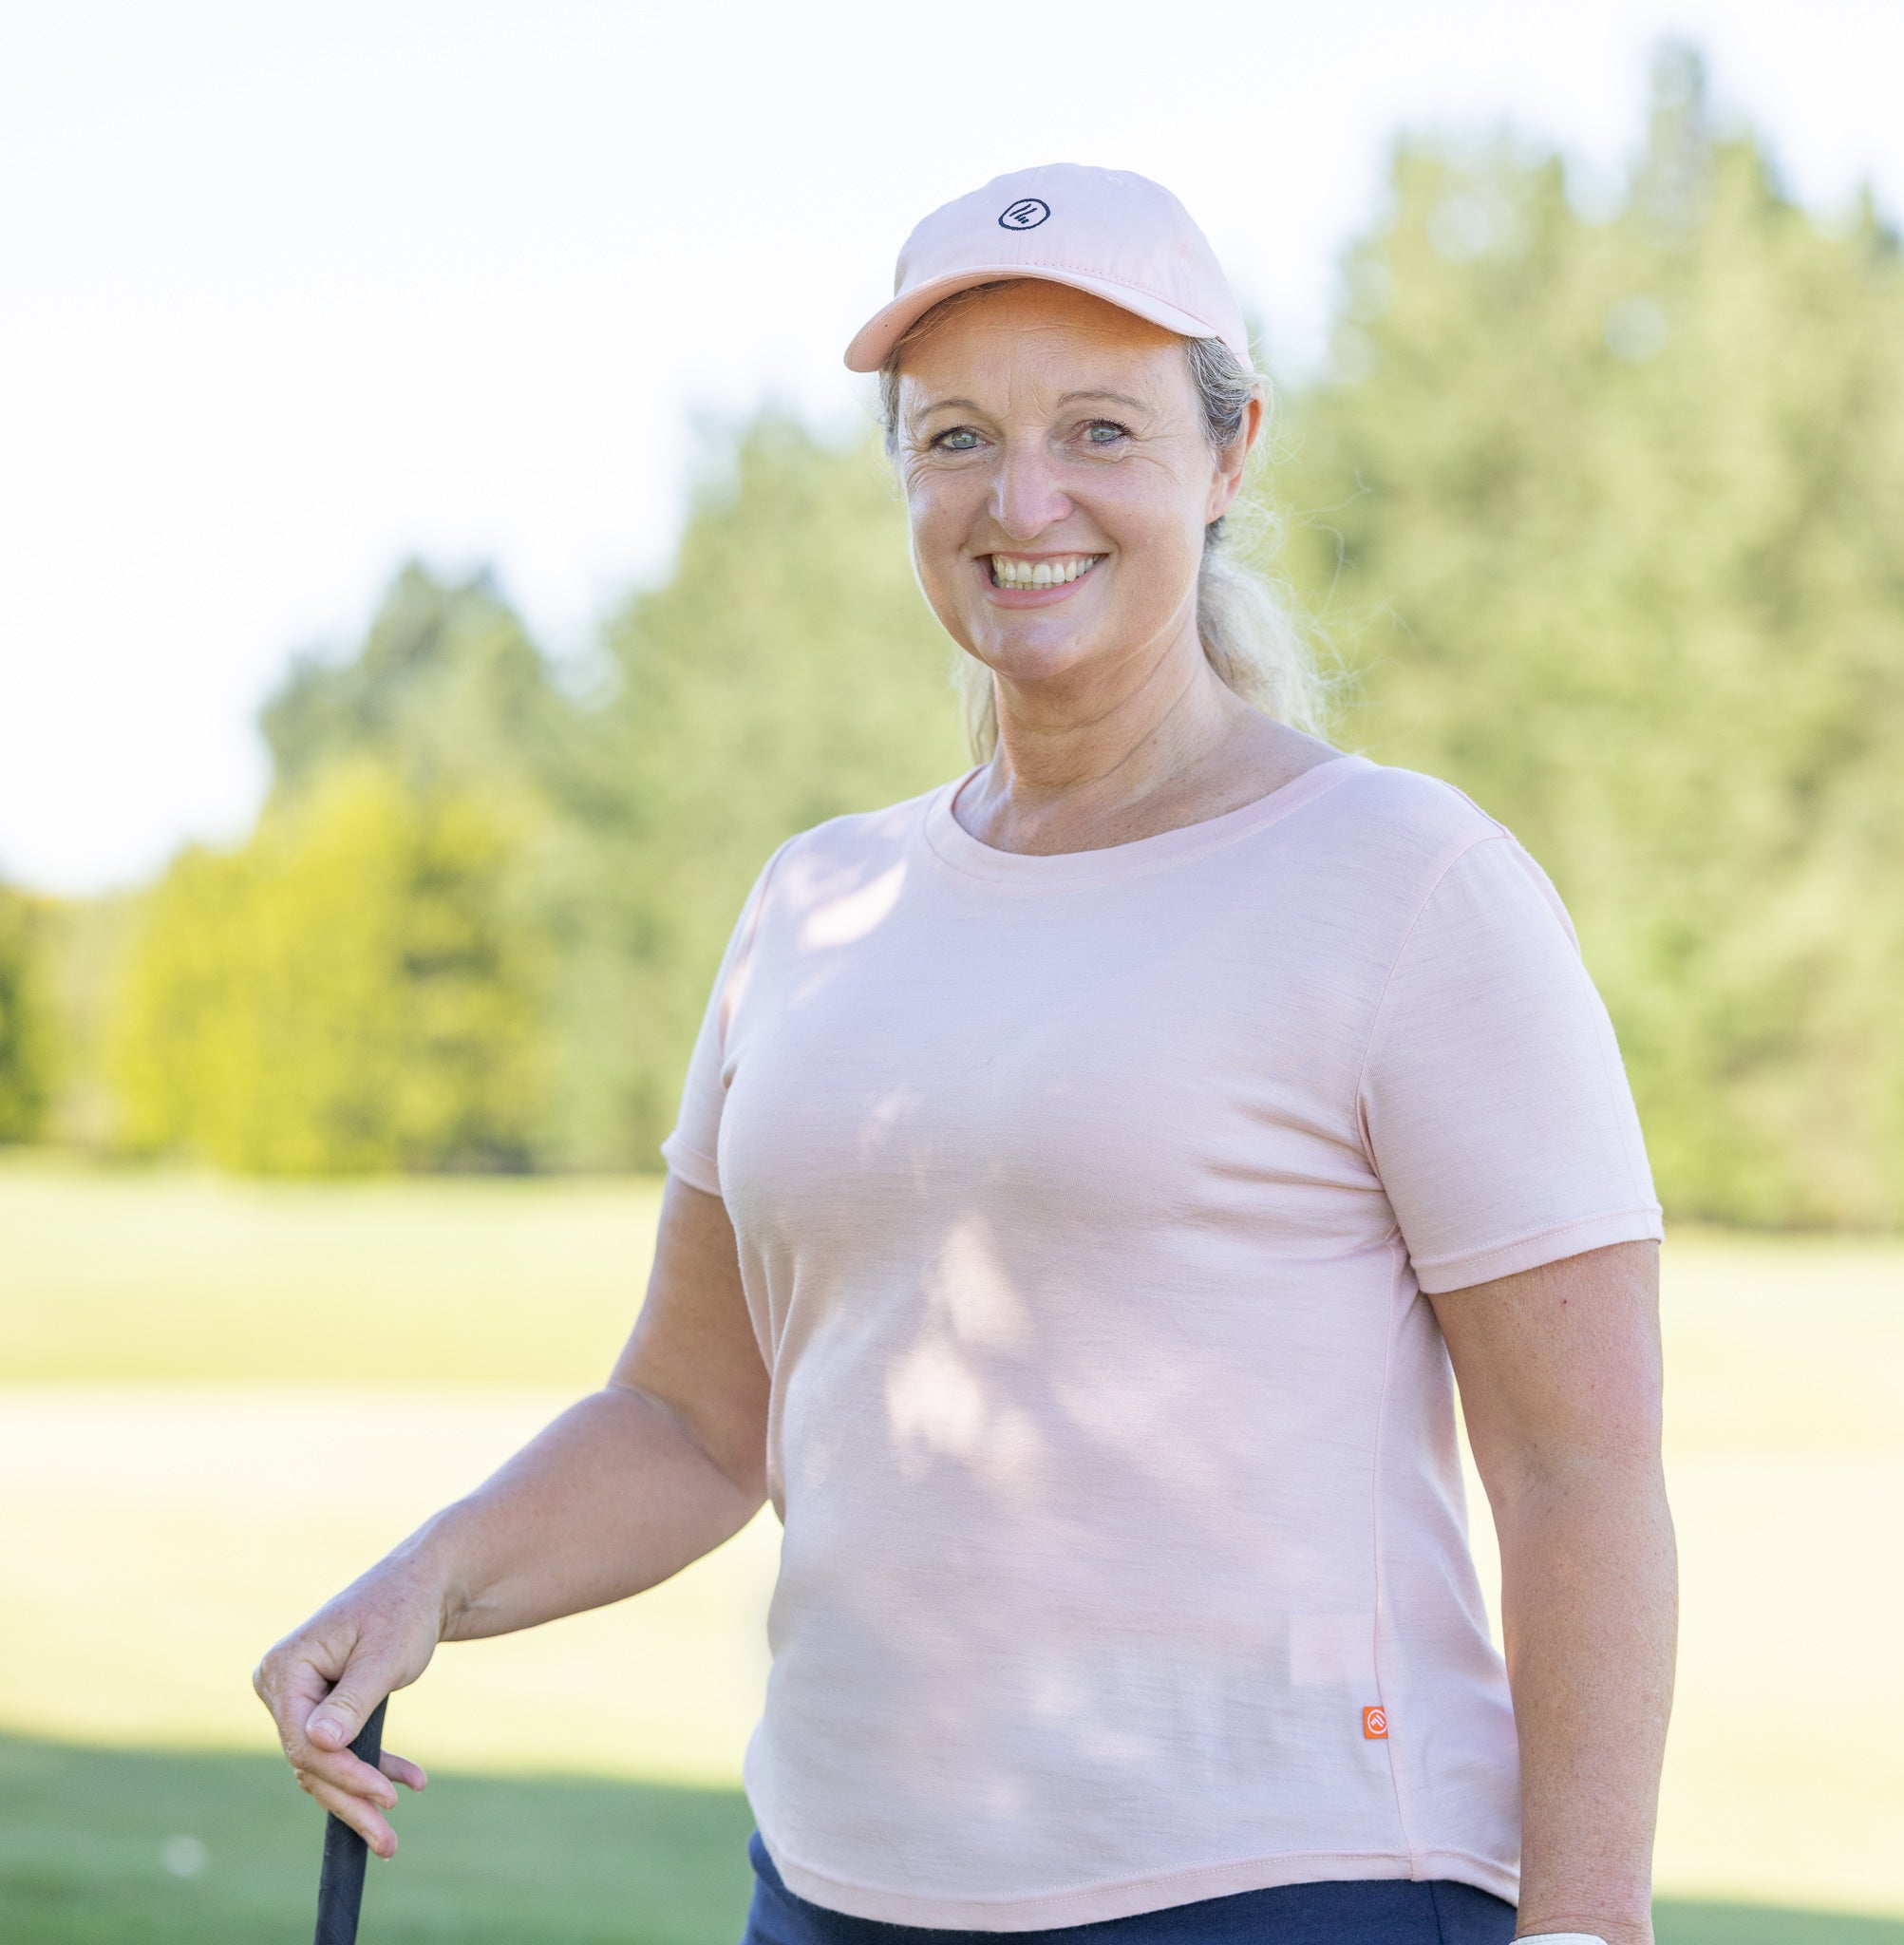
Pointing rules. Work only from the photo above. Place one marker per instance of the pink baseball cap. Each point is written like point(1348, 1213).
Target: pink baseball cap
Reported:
point(1121, 236)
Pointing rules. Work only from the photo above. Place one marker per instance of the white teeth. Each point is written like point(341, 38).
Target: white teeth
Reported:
point(1010, 572)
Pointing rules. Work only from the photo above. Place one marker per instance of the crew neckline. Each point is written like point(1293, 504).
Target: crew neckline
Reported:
point(955, 847)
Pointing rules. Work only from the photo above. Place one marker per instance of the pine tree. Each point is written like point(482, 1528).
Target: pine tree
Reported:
point(1610, 512)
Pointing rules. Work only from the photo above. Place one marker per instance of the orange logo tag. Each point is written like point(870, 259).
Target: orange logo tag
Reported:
point(1375, 1724)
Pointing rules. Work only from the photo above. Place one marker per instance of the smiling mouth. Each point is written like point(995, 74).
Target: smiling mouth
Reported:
point(1054, 570)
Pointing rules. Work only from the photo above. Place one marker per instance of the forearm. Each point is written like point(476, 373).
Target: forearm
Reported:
point(611, 1498)
point(1590, 1605)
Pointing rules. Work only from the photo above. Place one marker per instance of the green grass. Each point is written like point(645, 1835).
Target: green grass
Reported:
point(484, 1862)
point(230, 1396)
point(1679, 1923)
point(150, 1274)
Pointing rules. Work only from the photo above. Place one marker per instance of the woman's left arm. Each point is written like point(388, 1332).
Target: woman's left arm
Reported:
point(1559, 1375)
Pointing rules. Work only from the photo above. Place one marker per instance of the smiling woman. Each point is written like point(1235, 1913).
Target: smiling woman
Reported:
point(1089, 1178)
point(1247, 629)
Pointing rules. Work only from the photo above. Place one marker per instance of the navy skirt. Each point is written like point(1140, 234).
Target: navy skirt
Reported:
point(1360, 1911)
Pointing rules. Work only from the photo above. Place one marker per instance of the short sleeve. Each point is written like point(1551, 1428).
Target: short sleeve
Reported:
point(689, 1148)
point(1494, 1100)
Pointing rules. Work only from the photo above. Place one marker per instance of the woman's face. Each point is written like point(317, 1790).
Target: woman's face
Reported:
point(1057, 479)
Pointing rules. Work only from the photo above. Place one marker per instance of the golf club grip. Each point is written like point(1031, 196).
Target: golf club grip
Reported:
point(340, 1885)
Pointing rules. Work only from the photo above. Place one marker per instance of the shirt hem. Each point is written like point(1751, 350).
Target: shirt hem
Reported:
point(1133, 1895)
point(1641, 1223)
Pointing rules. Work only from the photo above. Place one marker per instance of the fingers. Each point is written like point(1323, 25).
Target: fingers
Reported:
point(343, 1771)
point(348, 1705)
point(317, 1721)
point(401, 1769)
point(319, 1737)
point(322, 1682)
point(365, 1818)
point(291, 1685)
point(361, 1812)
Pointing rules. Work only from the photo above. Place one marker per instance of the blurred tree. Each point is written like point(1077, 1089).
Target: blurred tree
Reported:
point(26, 1028)
point(786, 671)
point(447, 690)
point(1612, 510)
point(78, 955)
point(346, 992)
point(1604, 505)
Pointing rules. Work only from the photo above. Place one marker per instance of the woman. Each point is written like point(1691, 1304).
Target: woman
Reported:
point(1086, 1174)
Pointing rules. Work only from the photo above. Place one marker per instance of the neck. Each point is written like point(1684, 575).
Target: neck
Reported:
point(1083, 756)
point(1134, 723)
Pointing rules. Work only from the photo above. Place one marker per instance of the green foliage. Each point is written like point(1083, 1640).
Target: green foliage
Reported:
point(788, 670)
point(1613, 512)
point(346, 992)
point(447, 690)
point(82, 948)
point(361, 986)
point(27, 1032)
point(1605, 512)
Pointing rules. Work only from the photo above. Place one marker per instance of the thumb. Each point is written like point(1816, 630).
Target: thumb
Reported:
point(348, 1707)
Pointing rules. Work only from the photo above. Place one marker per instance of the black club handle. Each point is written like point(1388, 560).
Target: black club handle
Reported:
point(340, 1885)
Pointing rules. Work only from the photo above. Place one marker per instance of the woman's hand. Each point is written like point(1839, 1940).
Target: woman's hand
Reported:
point(625, 1488)
point(322, 1681)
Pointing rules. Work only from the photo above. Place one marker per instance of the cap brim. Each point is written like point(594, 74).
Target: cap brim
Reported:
point(873, 345)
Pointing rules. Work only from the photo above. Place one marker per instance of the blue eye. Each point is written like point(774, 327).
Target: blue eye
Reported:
point(1105, 432)
point(960, 439)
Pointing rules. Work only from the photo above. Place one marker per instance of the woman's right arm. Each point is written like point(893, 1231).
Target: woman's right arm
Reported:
point(626, 1488)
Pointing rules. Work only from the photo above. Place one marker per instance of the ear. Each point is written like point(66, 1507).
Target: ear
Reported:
point(1226, 480)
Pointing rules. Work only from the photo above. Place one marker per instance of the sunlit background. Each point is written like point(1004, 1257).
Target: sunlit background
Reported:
point(442, 555)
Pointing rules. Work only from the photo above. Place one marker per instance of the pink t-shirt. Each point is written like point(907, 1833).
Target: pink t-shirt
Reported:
point(1084, 1203)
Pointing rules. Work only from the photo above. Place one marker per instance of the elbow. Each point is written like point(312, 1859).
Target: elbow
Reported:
point(1553, 1477)
point(731, 1445)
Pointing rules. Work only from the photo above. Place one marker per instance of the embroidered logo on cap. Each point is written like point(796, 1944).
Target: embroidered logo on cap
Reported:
point(1375, 1724)
point(1026, 214)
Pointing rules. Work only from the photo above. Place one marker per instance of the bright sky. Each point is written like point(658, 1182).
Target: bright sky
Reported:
point(289, 289)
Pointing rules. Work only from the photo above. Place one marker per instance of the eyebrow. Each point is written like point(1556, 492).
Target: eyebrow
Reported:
point(947, 406)
point(1116, 398)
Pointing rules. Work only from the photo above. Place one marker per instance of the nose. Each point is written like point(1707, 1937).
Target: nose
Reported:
point(1027, 498)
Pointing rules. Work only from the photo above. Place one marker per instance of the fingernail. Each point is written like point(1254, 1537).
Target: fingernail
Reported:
point(325, 1726)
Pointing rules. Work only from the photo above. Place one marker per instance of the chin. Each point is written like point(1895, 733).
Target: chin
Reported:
point(1033, 654)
